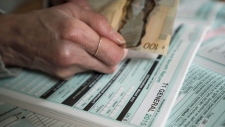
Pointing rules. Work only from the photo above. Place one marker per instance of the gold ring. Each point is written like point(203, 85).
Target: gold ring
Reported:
point(99, 43)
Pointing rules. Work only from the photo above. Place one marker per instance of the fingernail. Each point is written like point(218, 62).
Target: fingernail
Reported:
point(125, 53)
point(118, 37)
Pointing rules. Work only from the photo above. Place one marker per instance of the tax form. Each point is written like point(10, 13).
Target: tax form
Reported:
point(140, 93)
point(12, 116)
point(202, 12)
point(201, 100)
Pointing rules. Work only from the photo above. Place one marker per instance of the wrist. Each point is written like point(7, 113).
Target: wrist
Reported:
point(5, 72)
point(20, 38)
point(8, 38)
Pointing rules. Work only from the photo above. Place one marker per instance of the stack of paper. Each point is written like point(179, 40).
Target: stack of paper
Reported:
point(201, 99)
point(140, 93)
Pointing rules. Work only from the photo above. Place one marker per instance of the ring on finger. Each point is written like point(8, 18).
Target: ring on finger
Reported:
point(99, 43)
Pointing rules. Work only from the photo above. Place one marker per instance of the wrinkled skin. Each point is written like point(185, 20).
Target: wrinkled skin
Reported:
point(61, 40)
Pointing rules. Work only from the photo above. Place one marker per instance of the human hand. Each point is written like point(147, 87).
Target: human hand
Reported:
point(60, 41)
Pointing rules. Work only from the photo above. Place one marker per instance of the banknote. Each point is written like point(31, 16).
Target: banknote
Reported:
point(146, 25)
point(113, 10)
point(135, 21)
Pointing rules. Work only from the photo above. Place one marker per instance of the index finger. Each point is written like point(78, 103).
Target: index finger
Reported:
point(101, 25)
point(97, 22)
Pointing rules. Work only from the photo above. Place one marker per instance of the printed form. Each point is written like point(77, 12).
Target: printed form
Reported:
point(201, 100)
point(202, 12)
point(12, 116)
point(140, 93)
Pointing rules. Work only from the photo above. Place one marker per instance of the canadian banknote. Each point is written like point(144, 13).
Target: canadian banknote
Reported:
point(146, 25)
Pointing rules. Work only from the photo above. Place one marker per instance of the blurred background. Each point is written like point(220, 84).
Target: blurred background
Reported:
point(21, 6)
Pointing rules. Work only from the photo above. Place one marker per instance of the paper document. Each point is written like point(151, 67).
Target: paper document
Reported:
point(202, 12)
point(12, 116)
point(219, 21)
point(140, 93)
point(146, 25)
point(201, 100)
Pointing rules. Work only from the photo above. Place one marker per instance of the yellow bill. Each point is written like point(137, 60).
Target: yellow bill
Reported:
point(146, 25)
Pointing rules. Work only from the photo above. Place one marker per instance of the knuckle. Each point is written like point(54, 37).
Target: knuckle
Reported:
point(115, 58)
point(101, 20)
point(63, 56)
point(69, 31)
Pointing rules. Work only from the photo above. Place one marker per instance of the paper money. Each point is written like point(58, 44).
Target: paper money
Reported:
point(146, 25)
point(159, 27)
point(113, 10)
point(135, 21)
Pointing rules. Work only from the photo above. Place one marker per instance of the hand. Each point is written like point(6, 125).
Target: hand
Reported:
point(60, 41)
